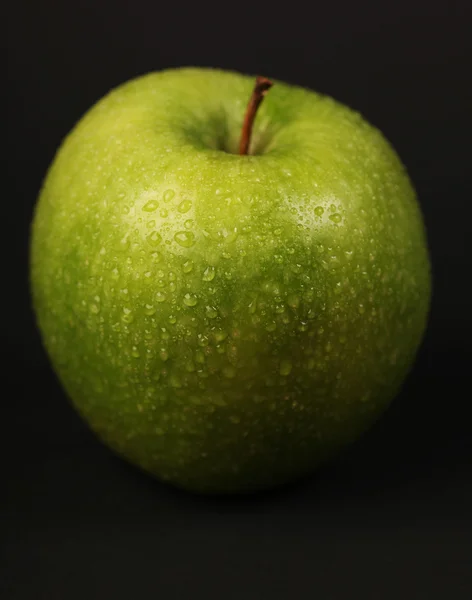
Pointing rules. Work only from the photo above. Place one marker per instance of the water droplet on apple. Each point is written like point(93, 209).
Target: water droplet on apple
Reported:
point(190, 299)
point(229, 371)
point(253, 305)
point(168, 195)
point(199, 357)
point(149, 309)
point(127, 316)
point(163, 354)
point(202, 340)
point(335, 218)
point(164, 213)
point(361, 309)
point(319, 210)
point(151, 224)
point(174, 381)
point(187, 266)
point(186, 239)
point(172, 319)
point(160, 297)
point(188, 224)
point(209, 274)
point(234, 419)
point(151, 206)
point(279, 308)
point(135, 352)
point(220, 335)
point(219, 400)
point(190, 367)
point(154, 238)
point(159, 431)
point(124, 242)
point(293, 301)
point(271, 326)
point(285, 368)
point(184, 206)
point(211, 312)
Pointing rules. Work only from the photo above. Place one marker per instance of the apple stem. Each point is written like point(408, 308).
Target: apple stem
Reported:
point(261, 87)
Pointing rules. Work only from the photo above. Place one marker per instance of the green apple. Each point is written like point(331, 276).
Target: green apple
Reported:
point(225, 321)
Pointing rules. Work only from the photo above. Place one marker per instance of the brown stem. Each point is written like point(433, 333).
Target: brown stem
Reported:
point(261, 88)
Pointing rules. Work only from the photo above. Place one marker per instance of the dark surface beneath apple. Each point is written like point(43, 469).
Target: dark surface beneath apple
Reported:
point(392, 516)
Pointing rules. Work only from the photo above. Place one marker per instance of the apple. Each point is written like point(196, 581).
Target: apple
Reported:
point(228, 300)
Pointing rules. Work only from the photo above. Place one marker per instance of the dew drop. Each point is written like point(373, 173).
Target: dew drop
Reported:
point(220, 335)
point(285, 368)
point(151, 224)
point(163, 354)
point(319, 210)
point(149, 309)
point(202, 340)
point(187, 266)
point(336, 218)
point(160, 297)
point(174, 381)
point(199, 357)
point(172, 319)
point(163, 213)
point(211, 312)
point(135, 352)
point(184, 206)
point(293, 301)
point(168, 195)
point(154, 238)
point(188, 224)
point(190, 299)
point(186, 239)
point(151, 206)
point(209, 274)
point(94, 308)
point(229, 371)
point(253, 306)
point(127, 316)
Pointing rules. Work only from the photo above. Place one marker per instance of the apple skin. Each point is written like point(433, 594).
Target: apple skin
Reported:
point(227, 323)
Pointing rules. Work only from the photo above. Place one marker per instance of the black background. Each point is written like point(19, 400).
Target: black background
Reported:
point(393, 517)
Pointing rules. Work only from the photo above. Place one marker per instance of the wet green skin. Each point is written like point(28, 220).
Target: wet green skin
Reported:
point(227, 322)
